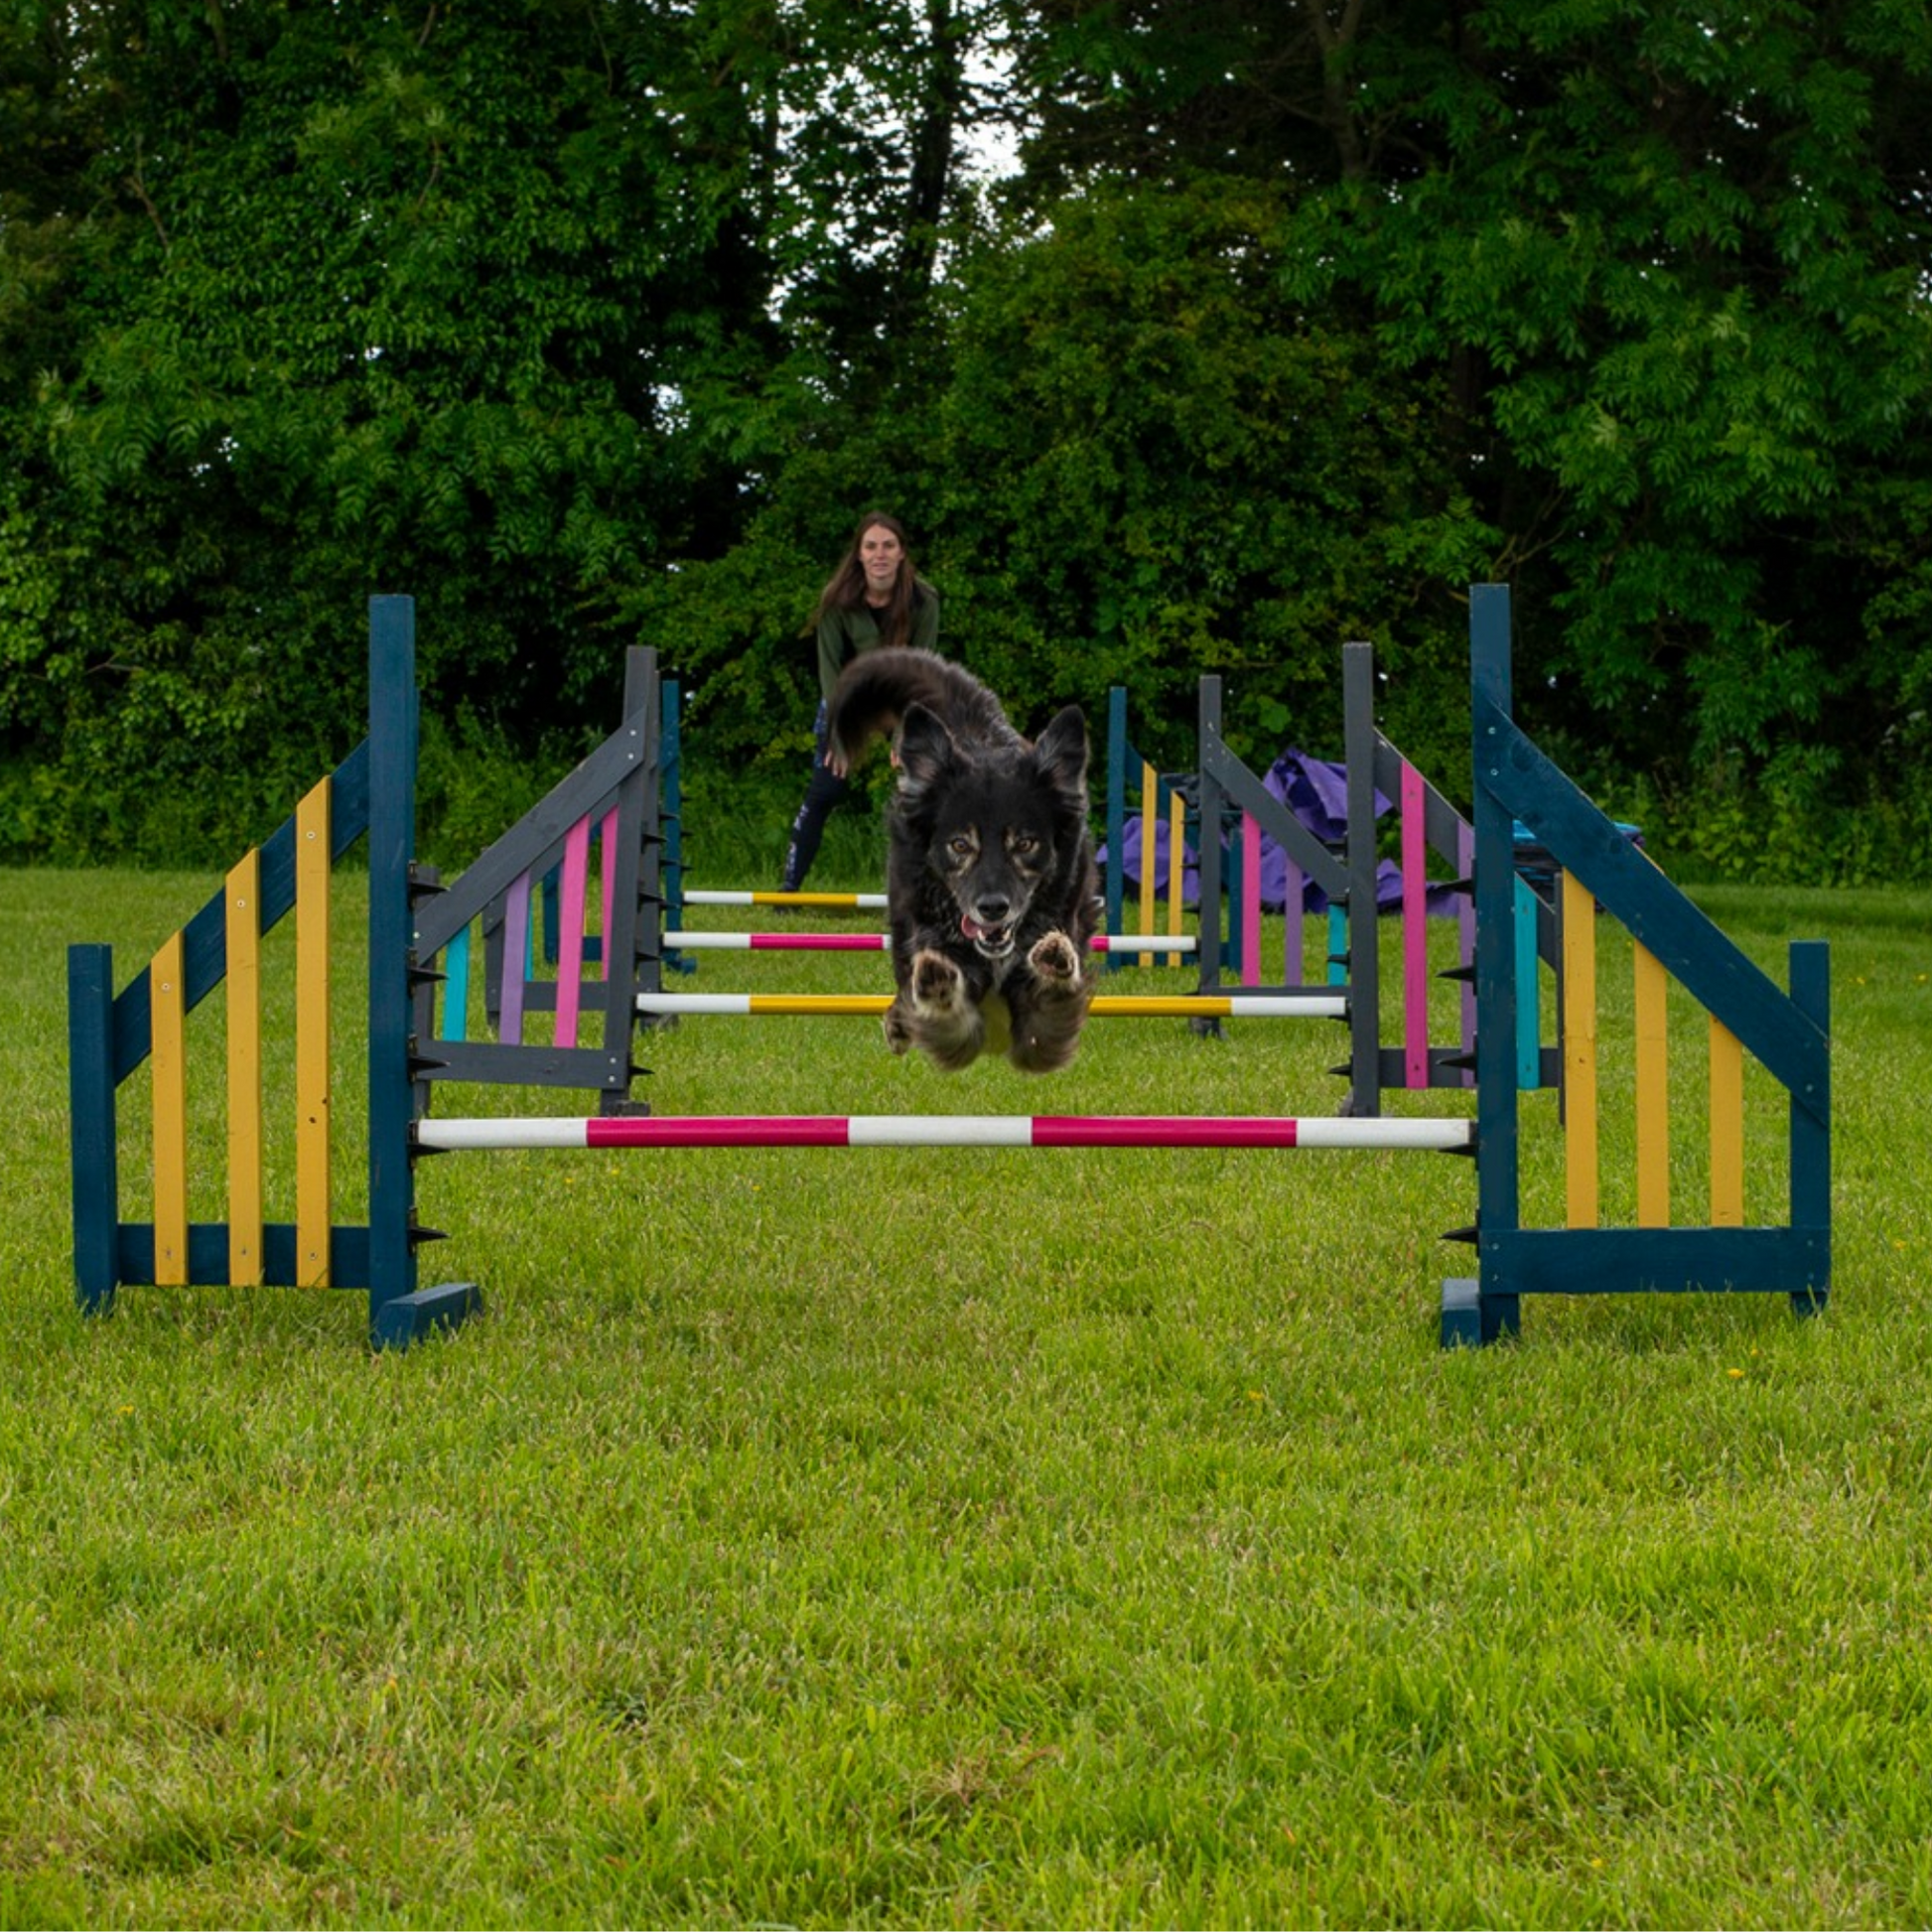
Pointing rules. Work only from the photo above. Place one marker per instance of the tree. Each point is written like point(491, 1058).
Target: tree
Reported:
point(1154, 465)
point(503, 305)
point(1665, 268)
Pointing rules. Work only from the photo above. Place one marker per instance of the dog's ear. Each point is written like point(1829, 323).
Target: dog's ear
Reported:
point(925, 748)
point(1060, 750)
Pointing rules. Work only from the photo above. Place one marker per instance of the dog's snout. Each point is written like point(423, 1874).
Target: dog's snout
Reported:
point(992, 909)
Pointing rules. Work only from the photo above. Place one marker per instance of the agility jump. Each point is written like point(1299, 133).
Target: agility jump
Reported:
point(1338, 864)
point(420, 930)
point(1343, 869)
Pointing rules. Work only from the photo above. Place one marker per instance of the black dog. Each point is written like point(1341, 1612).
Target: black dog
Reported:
point(989, 883)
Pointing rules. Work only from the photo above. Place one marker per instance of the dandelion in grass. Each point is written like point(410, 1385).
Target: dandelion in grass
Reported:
point(1736, 1374)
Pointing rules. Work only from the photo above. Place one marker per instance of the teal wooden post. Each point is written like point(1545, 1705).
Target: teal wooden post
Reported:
point(90, 1096)
point(1363, 973)
point(399, 1311)
point(1810, 1118)
point(1114, 880)
point(1469, 1313)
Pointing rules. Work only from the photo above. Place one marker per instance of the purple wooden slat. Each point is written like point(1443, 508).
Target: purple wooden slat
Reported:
point(1415, 929)
point(517, 961)
point(570, 943)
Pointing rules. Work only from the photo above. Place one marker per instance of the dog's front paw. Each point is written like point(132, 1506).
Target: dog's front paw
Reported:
point(941, 1017)
point(899, 1031)
point(1055, 963)
point(938, 985)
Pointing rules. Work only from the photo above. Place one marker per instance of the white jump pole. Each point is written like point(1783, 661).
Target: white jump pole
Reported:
point(1313, 1004)
point(849, 901)
point(958, 1130)
point(681, 941)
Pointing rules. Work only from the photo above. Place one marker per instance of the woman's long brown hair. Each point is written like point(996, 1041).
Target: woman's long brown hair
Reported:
point(846, 588)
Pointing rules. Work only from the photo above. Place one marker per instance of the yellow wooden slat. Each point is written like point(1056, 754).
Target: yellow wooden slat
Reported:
point(1726, 1127)
point(1579, 1052)
point(312, 1193)
point(243, 915)
point(1150, 840)
point(1176, 865)
point(1652, 999)
point(168, 1067)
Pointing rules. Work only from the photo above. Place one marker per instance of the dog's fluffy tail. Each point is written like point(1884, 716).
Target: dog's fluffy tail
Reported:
point(877, 689)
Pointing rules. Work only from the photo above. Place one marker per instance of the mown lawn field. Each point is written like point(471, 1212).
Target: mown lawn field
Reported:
point(968, 1538)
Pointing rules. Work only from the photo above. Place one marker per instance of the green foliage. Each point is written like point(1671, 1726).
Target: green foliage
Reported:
point(1142, 463)
point(473, 785)
point(1790, 820)
point(1678, 258)
point(602, 324)
point(473, 305)
point(1153, 464)
point(1666, 267)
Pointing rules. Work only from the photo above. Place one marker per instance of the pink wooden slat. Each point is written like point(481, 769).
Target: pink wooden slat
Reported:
point(1250, 901)
point(1465, 921)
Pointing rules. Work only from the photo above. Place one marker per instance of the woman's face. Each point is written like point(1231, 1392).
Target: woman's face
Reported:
point(880, 556)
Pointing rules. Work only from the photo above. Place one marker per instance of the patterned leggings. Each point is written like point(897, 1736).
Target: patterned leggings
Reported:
point(823, 792)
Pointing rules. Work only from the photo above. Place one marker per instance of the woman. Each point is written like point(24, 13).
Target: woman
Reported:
point(875, 598)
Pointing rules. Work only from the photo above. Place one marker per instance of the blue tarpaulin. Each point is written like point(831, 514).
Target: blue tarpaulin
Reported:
point(1317, 792)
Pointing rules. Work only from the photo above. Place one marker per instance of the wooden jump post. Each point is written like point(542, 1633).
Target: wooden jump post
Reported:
point(1788, 1033)
point(412, 922)
point(110, 1036)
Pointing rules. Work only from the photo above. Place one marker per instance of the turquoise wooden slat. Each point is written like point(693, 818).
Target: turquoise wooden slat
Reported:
point(1529, 1046)
point(456, 987)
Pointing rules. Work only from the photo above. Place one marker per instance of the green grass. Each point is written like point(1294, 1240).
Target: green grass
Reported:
point(965, 1538)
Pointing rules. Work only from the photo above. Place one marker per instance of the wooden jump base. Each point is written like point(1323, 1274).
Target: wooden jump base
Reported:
point(682, 942)
point(951, 1130)
point(420, 928)
point(1313, 1004)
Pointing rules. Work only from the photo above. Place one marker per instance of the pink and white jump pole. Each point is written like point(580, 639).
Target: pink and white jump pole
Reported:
point(958, 1130)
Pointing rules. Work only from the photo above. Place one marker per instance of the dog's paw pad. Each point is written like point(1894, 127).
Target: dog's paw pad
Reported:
point(1053, 958)
point(937, 984)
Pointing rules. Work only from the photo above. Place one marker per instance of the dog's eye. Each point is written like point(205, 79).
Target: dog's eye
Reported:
point(960, 846)
point(1025, 845)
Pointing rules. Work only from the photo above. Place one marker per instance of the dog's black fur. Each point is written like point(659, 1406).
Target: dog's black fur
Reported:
point(990, 881)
